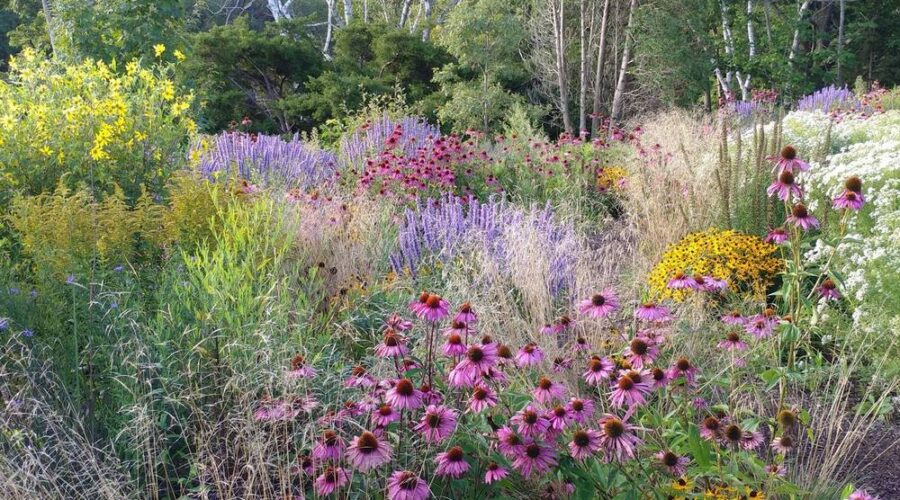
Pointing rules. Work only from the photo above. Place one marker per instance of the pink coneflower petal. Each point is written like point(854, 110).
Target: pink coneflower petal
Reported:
point(299, 368)
point(393, 345)
point(395, 322)
point(598, 370)
point(466, 314)
point(547, 391)
point(530, 422)
point(828, 290)
point(559, 417)
point(777, 236)
point(617, 439)
point(733, 318)
point(454, 346)
point(849, 200)
point(711, 429)
point(406, 485)
point(494, 473)
point(330, 446)
point(536, 457)
point(640, 352)
point(478, 360)
point(437, 424)
point(650, 311)
point(580, 410)
point(483, 397)
point(759, 327)
point(385, 415)
point(627, 392)
point(509, 443)
point(801, 218)
point(529, 355)
point(783, 444)
point(359, 378)
point(732, 342)
point(404, 395)
point(434, 309)
point(683, 368)
point(451, 463)
point(785, 187)
point(584, 444)
point(331, 480)
point(674, 464)
point(680, 282)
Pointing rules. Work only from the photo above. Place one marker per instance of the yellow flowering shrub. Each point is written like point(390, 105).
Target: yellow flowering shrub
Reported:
point(64, 231)
point(92, 123)
point(746, 262)
point(610, 178)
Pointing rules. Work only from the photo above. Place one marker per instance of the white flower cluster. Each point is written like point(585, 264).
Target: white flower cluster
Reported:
point(868, 148)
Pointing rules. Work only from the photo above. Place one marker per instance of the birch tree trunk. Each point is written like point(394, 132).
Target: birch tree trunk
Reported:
point(840, 40)
point(348, 11)
point(426, 28)
point(558, 17)
point(598, 70)
point(329, 29)
point(751, 39)
point(619, 95)
point(795, 45)
point(404, 13)
point(582, 69)
point(48, 16)
point(280, 9)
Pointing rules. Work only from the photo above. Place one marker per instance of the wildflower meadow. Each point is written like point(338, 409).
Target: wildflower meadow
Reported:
point(257, 250)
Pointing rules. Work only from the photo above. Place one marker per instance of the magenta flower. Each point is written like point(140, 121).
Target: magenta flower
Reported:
point(777, 236)
point(751, 440)
point(548, 390)
point(360, 378)
point(801, 218)
point(483, 397)
point(478, 361)
point(849, 200)
point(451, 463)
point(650, 311)
point(529, 355)
point(466, 314)
point(828, 290)
point(640, 352)
point(580, 410)
point(367, 452)
point(785, 187)
point(406, 485)
point(417, 306)
point(430, 396)
point(494, 473)
point(581, 344)
point(710, 284)
point(393, 345)
point(437, 424)
point(434, 309)
point(862, 495)
point(329, 447)
point(331, 480)
point(584, 443)
point(384, 416)
point(509, 443)
point(561, 364)
point(530, 422)
point(711, 429)
point(299, 369)
point(681, 281)
point(733, 318)
point(598, 369)
point(536, 457)
point(564, 323)
point(783, 444)
point(789, 161)
point(453, 346)
point(559, 417)
point(676, 465)
point(404, 395)
point(683, 368)
point(548, 329)
point(600, 304)
point(732, 342)
point(759, 327)
point(394, 321)
point(628, 392)
point(617, 439)
point(659, 378)
point(456, 327)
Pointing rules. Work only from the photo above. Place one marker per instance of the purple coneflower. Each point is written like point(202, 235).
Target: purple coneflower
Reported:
point(430, 396)
point(548, 390)
point(329, 447)
point(598, 369)
point(862, 495)
point(359, 377)
point(640, 352)
point(437, 424)
point(434, 309)
point(789, 161)
point(367, 452)
point(759, 327)
point(783, 444)
point(600, 304)
point(457, 328)
point(585, 442)
point(801, 218)
point(483, 397)
point(828, 290)
point(536, 457)
point(733, 318)
point(628, 391)
point(451, 463)
point(559, 417)
point(564, 323)
point(417, 306)
point(331, 480)
point(681, 281)
point(398, 323)
point(406, 485)
point(776, 470)
point(509, 443)
point(530, 422)
point(581, 344)
point(852, 197)
point(673, 463)
point(454, 346)
point(561, 364)
point(785, 187)
point(548, 329)
point(580, 410)
point(529, 355)
point(683, 368)
point(659, 378)
point(732, 434)
point(393, 345)
point(650, 311)
point(710, 284)
point(404, 395)
point(618, 439)
point(777, 236)
point(732, 342)
point(711, 428)
point(494, 473)
point(466, 314)
point(299, 369)
point(478, 360)
point(384, 415)
point(751, 440)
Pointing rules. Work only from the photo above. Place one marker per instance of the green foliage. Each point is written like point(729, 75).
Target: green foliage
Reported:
point(90, 123)
point(240, 72)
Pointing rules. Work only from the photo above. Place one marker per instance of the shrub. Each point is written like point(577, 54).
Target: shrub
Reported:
point(90, 123)
point(746, 262)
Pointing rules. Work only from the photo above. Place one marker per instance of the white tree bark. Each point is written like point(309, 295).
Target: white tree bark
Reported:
point(280, 9)
point(348, 11)
point(558, 20)
point(795, 45)
point(751, 39)
point(840, 40)
point(584, 41)
point(329, 29)
point(429, 12)
point(619, 95)
point(404, 13)
point(48, 17)
point(598, 69)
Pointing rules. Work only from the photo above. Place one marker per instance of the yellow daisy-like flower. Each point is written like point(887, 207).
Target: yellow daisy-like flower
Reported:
point(682, 484)
point(158, 49)
point(179, 55)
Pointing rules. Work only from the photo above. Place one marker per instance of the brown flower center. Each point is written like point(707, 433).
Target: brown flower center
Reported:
point(733, 433)
point(577, 405)
point(405, 388)
point(786, 178)
point(581, 439)
point(533, 451)
point(639, 347)
point(367, 443)
point(598, 300)
point(530, 417)
point(614, 428)
point(545, 384)
point(670, 459)
point(799, 211)
point(455, 454)
point(475, 354)
point(788, 153)
point(853, 184)
point(683, 364)
point(433, 302)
